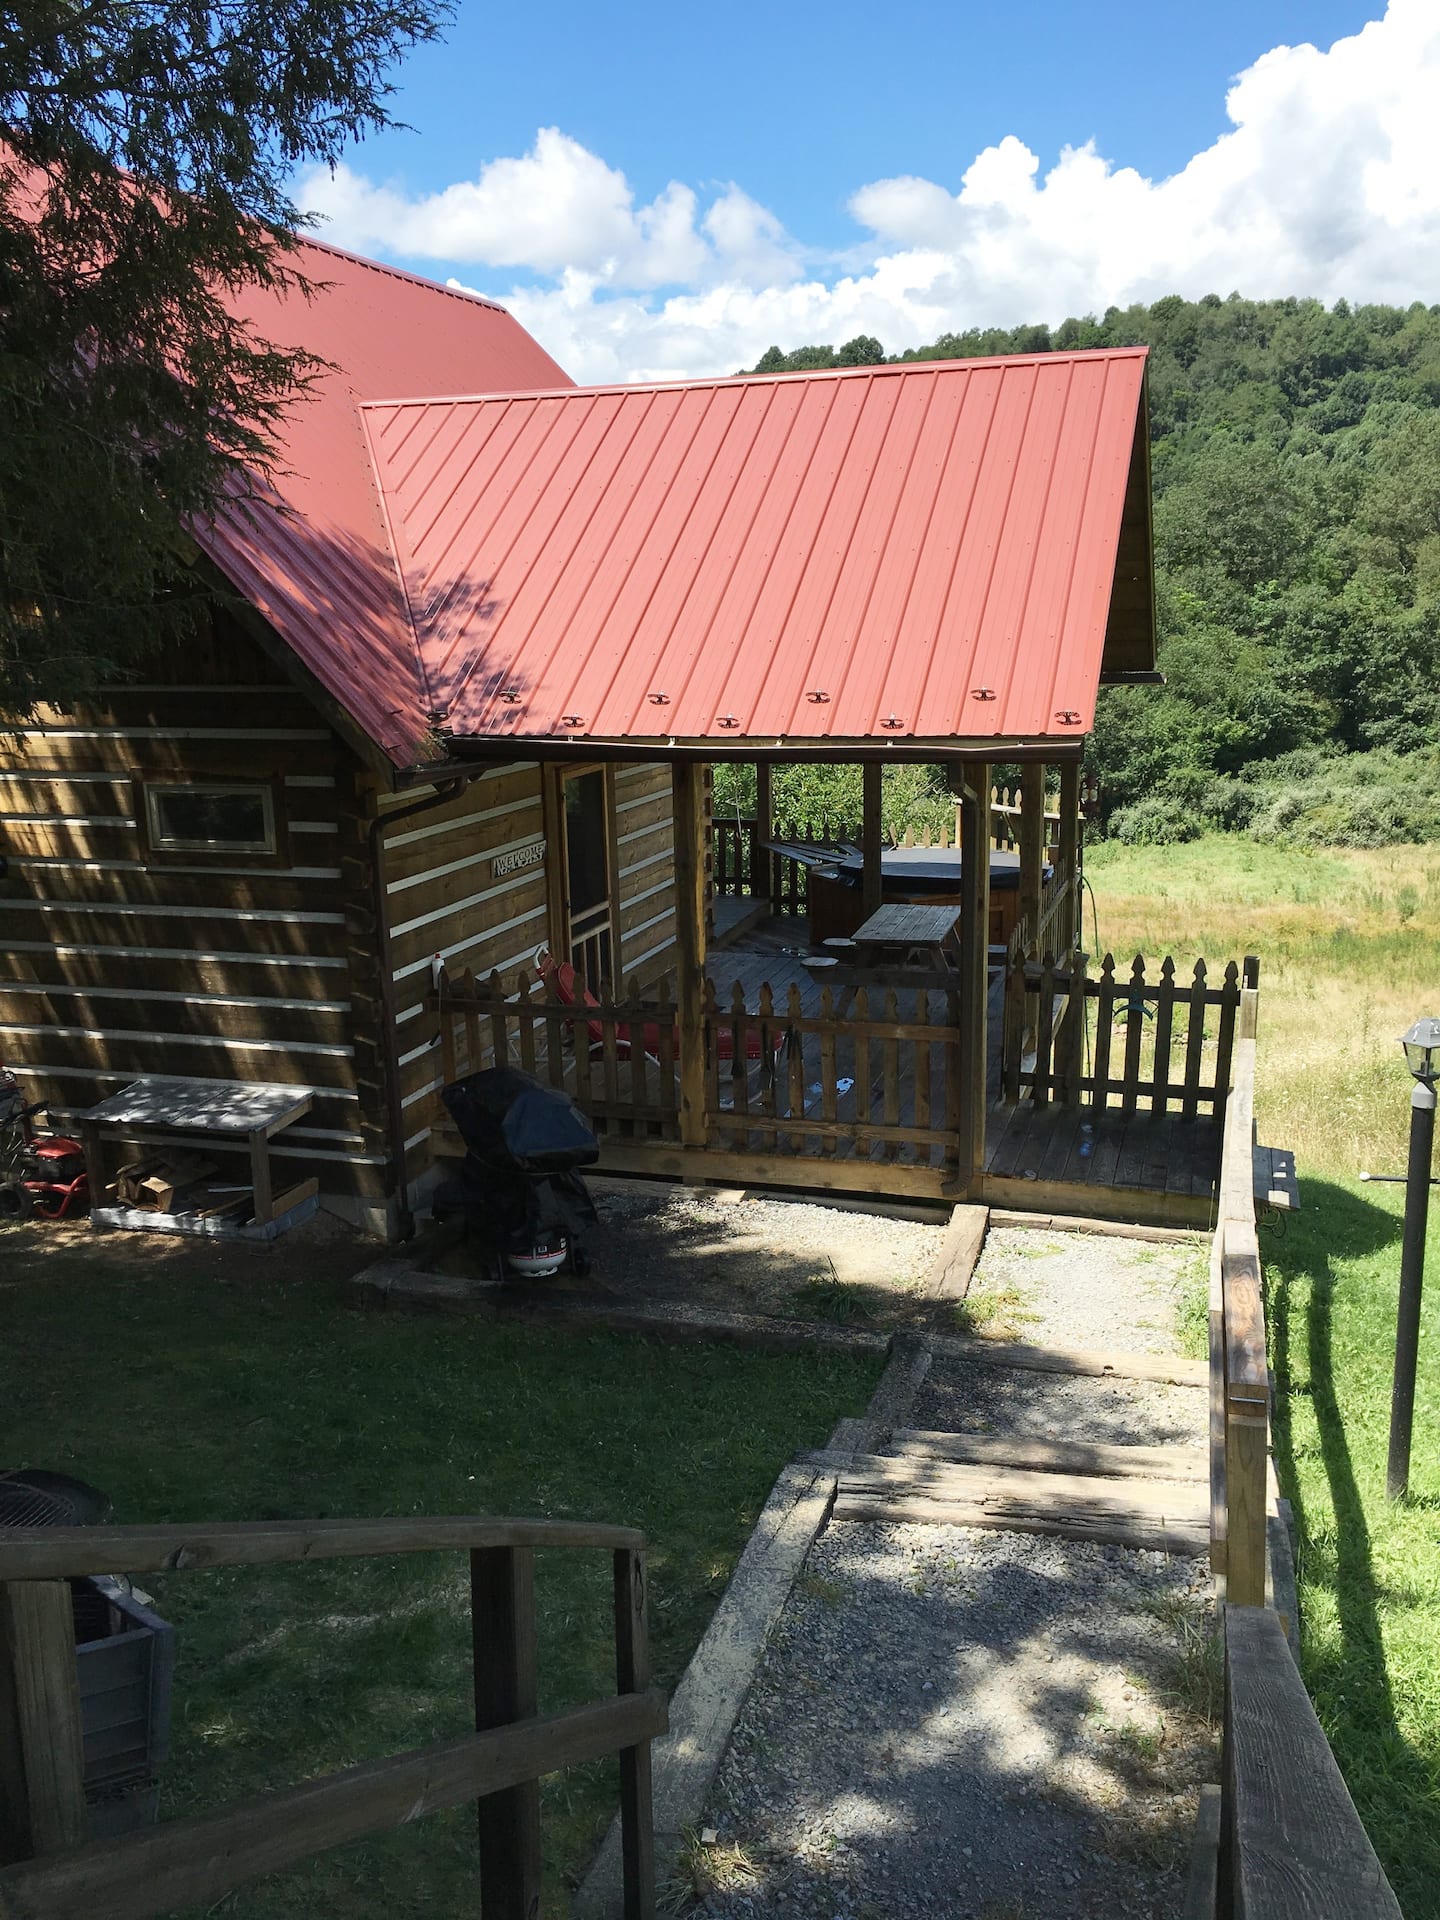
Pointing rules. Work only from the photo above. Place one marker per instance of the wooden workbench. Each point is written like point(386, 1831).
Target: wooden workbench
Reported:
point(251, 1111)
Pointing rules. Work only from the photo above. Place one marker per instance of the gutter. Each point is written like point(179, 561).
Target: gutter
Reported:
point(395, 1116)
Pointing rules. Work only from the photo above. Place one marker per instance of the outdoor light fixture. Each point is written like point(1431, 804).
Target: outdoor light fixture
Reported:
point(1421, 1045)
point(1090, 796)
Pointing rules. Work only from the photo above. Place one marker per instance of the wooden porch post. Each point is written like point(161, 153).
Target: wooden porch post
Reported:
point(685, 782)
point(974, 973)
point(1032, 845)
point(870, 832)
point(762, 864)
point(1070, 846)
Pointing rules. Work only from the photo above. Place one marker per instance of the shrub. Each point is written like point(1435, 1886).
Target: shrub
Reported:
point(1161, 820)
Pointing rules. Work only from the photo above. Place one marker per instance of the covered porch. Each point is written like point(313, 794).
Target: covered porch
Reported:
point(932, 564)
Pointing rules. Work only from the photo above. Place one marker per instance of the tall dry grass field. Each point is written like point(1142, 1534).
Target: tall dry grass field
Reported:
point(1349, 957)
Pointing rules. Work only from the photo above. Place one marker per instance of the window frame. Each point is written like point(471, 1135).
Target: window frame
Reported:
point(212, 853)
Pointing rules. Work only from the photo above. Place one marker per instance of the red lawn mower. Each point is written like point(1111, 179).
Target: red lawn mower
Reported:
point(41, 1174)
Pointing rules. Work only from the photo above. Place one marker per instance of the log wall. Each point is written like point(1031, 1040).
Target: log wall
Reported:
point(114, 963)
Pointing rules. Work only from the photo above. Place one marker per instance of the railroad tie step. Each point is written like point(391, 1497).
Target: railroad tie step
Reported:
point(1128, 1462)
point(1168, 1516)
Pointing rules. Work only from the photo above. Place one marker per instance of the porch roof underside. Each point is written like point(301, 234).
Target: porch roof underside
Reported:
point(934, 558)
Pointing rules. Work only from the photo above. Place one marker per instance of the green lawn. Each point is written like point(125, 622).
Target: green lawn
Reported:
point(1348, 960)
point(195, 1389)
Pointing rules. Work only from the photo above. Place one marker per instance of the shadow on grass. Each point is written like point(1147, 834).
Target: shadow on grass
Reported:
point(1348, 1678)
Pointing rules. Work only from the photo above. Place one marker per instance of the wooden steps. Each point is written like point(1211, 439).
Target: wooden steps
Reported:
point(1150, 1497)
point(1053, 1456)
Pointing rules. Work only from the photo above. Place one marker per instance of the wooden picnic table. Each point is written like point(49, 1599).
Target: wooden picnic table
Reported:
point(248, 1110)
point(910, 936)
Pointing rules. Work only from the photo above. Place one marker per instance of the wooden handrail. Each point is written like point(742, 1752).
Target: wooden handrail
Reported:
point(1293, 1846)
point(50, 1874)
point(69, 1553)
point(185, 1863)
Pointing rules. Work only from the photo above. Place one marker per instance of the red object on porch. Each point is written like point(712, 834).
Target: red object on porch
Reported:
point(915, 553)
point(562, 978)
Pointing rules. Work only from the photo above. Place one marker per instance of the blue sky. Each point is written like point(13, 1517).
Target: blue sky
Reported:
point(800, 107)
point(658, 191)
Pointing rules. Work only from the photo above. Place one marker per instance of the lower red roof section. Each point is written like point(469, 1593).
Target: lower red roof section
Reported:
point(322, 571)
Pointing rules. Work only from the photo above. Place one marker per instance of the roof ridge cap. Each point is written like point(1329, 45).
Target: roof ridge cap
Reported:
point(401, 273)
point(889, 367)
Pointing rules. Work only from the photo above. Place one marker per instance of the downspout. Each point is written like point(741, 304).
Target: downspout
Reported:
point(395, 1123)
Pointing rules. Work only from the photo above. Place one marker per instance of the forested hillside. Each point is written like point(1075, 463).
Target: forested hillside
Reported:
point(1296, 458)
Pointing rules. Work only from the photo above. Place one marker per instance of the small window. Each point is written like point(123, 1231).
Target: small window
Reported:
point(210, 819)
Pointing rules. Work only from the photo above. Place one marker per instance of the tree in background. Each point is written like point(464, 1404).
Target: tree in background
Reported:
point(143, 175)
point(1296, 460)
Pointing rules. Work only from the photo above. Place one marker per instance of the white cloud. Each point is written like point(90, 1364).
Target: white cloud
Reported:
point(1327, 183)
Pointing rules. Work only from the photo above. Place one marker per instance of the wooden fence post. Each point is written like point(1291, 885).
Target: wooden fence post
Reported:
point(1032, 846)
point(632, 1675)
point(689, 950)
point(42, 1762)
point(502, 1622)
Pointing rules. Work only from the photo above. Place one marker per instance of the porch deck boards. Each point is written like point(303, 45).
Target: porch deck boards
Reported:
point(1147, 1152)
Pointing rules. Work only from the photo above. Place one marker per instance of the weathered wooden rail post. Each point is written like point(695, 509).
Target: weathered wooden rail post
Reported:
point(502, 1625)
point(42, 1765)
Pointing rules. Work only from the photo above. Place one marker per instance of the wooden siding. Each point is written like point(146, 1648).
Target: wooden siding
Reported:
point(446, 901)
point(113, 964)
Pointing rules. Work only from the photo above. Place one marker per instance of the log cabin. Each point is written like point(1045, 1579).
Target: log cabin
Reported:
point(467, 667)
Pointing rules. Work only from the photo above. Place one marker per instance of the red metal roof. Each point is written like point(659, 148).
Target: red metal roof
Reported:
point(324, 575)
point(912, 553)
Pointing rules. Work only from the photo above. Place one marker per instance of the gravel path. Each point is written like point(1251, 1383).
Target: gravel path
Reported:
point(989, 1726)
point(754, 1255)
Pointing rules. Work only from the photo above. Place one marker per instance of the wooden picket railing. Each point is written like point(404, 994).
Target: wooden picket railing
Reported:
point(880, 1082)
point(53, 1874)
point(1146, 1043)
point(1285, 1841)
point(1005, 811)
point(618, 1059)
point(875, 1078)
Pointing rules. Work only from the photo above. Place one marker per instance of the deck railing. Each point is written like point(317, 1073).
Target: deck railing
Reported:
point(879, 1082)
point(1288, 1843)
point(870, 1077)
point(617, 1057)
point(53, 1874)
point(1141, 1041)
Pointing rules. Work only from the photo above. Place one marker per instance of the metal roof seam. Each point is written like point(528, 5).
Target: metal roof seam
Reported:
point(937, 492)
point(477, 539)
point(807, 680)
point(408, 610)
point(606, 685)
point(971, 498)
point(781, 533)
point(875, 573)
point(1034, 557)
point(676, 619)
point(1054, 679)
point(400, 273)
point(761, 498)
point(1015, 468)
point(557, 572)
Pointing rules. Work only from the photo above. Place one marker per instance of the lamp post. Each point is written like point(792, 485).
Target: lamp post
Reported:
point(1421, 1044)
